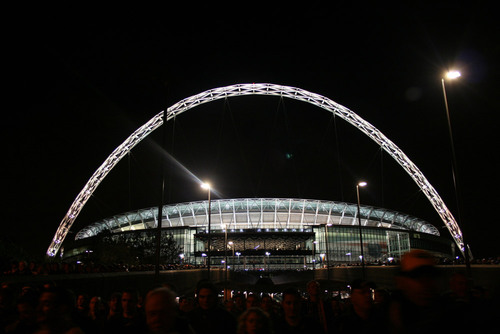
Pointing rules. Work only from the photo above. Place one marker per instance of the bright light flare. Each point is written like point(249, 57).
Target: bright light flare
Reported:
point(206, 185)
point(362, 184)
point(453, 74)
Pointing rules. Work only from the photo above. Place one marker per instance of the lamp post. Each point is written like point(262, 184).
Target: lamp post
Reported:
point(238, 255)
point(454, 75)
point(162, 200)
point(225, 262)
point(208, 188)
point(327, 251)
point(361, 184)
point(231, 244)
point(314, 258)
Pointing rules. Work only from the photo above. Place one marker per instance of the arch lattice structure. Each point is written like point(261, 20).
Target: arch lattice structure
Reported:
point(255, 89)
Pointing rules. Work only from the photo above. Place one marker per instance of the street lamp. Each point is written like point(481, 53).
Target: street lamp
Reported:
point(361, 184)
point(231, 244)
point(225, 260)
point(207, 186)
point(454, 75)
point(327, 251)
point(238, 255)
point(314, 257)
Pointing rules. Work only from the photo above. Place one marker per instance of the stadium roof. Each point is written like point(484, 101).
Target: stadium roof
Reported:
point(279, 214)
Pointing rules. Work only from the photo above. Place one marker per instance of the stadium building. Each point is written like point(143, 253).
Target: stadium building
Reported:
point(274, 233)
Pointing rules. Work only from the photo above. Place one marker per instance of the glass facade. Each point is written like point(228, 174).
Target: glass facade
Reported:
point(342, 244)
point(311, 247)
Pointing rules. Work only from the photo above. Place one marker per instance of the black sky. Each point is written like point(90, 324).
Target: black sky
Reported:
point(81, 80)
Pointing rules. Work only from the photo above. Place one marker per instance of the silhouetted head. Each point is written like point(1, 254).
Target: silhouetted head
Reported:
point(417, 278)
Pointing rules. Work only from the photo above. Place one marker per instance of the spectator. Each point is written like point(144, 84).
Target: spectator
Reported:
point(209, 317)
point(252, 300)
point(254, 321)
point(131, 319)
point(186, 305)
point(82, 303)
point(161, 313)
point(239, 304)
point(114, 306)
point(268, 304)
point(229, 305)
point(337, 306)
point(362, 316)
point(317, 307)
point(130, 304)
point(97, 308)
point(23, 268)
point(55, 312)
point(96, 315)
point(293, 319)
point(32, 268)
point(26, 321)
point(14, 268)
point(415, 306)
point(81, 316)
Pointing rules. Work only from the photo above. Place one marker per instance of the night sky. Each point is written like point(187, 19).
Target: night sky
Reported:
point(81, 80)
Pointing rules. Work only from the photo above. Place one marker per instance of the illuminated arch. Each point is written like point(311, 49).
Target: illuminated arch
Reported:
point(255, 89)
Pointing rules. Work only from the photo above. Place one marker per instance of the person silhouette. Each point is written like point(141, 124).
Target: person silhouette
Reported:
point(56, 312)
point(161, 311)
point(210, 317)
point(293, 320)
point(362, 315)
point(415, 306)
point(254, 321)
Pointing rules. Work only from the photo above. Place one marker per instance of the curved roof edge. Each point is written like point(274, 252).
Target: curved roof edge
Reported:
point(257, 212)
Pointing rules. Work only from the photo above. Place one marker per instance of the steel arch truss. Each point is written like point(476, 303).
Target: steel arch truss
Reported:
point(256, 89)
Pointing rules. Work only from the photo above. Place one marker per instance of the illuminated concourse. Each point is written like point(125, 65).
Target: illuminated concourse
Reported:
point(272, 233)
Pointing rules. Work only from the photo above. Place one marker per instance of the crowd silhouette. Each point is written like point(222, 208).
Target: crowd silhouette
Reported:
point(34, 268)
point(415, 306)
